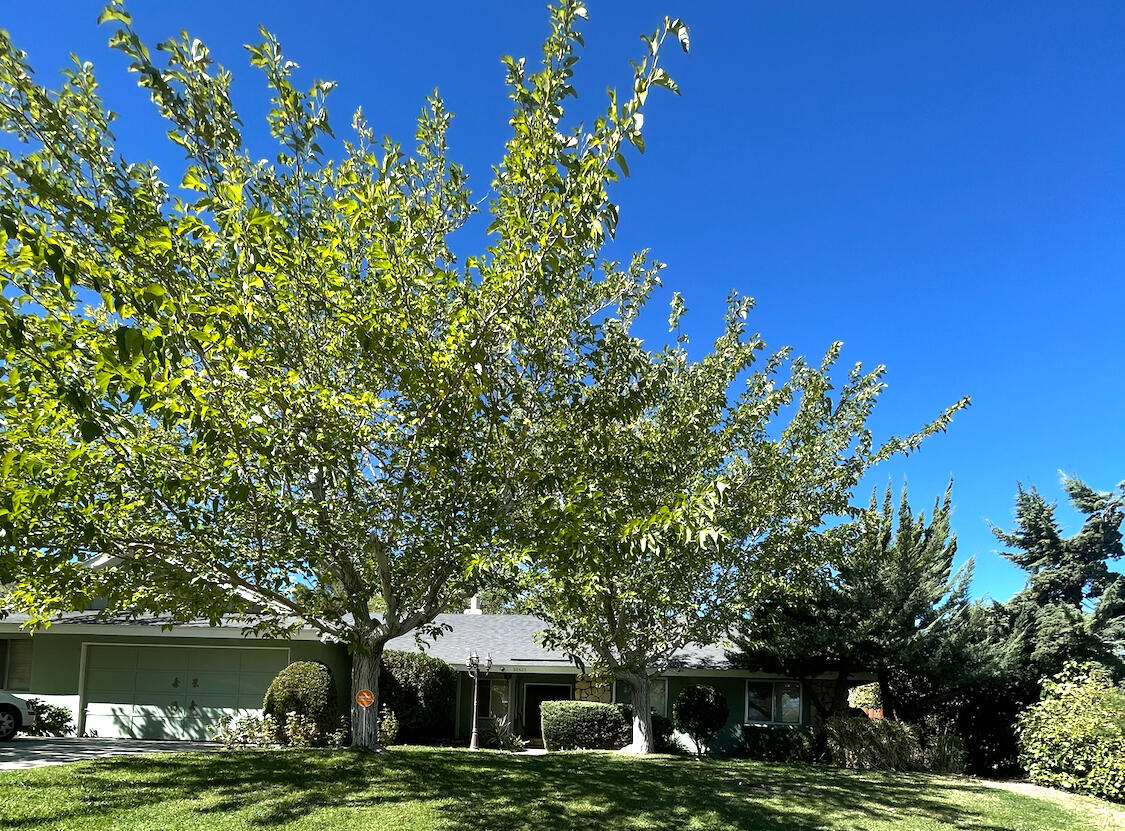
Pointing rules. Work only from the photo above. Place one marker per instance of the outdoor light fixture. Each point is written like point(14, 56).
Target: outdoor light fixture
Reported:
point(475, 669)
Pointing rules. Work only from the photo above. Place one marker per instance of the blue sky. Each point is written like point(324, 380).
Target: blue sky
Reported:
point(940, 186)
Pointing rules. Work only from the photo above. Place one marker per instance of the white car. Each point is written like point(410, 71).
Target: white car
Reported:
point(14, 716)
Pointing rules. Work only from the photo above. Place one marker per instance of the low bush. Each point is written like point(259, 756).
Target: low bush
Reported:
point(388, 726)
point(873, 744)
point(775, 743)
point(421, 690)
point(1074, 737)
point(500, 734)
point(306, 689)
point(50, 719)
point(944, 753)
point(700, 712)
point(585, 725)
point(250, 731)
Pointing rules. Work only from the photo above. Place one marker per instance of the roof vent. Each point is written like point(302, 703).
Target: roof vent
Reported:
point(474, 606)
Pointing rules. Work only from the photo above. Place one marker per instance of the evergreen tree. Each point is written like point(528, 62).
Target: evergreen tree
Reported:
point(887, 601)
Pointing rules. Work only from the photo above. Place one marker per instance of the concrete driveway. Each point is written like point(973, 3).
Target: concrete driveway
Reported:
point(32, 752)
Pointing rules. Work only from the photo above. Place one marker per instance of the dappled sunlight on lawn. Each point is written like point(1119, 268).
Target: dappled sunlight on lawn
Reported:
point(416, 788)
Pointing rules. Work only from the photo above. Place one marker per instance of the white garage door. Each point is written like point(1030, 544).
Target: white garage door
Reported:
point(174, 692)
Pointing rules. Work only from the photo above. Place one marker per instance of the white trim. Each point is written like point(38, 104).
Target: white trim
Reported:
point(84, 653)
point(773, 699)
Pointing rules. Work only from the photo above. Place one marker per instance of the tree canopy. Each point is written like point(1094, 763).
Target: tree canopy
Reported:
point(887, 601)
point(271, 390)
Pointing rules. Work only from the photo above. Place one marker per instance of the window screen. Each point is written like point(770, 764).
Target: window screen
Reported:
point(15, 664)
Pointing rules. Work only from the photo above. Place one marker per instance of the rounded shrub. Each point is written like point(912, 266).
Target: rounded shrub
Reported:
point(306, 689)
point(420, 690)
point(585, 725)
point(700, 712)
point(1074, 738)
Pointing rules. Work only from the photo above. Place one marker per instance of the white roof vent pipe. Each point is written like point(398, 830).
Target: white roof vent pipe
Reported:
point(474, 606)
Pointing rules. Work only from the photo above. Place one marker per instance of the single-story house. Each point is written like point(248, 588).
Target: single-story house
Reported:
point(149, 677)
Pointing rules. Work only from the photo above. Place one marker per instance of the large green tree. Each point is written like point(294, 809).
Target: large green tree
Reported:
point(268, 389)
point(886, 601)
point(683, 501)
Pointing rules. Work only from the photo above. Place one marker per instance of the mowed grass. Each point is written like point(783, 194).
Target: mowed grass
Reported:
point(427, 788)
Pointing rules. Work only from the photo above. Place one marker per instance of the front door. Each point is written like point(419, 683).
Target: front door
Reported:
point(534, 695)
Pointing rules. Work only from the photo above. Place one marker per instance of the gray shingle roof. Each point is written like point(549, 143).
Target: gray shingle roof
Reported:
point(510, 639)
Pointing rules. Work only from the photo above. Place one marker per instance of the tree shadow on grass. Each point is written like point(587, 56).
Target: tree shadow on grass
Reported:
point(500, 791)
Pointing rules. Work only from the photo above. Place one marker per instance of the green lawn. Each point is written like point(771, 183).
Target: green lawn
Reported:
point(422, 788)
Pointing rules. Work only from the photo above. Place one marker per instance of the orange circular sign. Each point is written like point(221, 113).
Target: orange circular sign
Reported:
point(365, 698)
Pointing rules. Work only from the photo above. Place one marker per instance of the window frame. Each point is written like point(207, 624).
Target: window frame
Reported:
point(6, 664)
point(661, 678)
point(773, 682)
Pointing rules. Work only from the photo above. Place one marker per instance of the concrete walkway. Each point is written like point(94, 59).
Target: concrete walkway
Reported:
point(32, 752)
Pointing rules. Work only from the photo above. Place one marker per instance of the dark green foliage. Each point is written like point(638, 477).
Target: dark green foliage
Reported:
point(307, 689)
point(585, 725)
point(886, 600)
point(775, 743)
point(700, 712)
point(873, 744)
point(664, 735)
point(50, 720)
point(421, 691)
point(1074, 738)
point(1072, 609)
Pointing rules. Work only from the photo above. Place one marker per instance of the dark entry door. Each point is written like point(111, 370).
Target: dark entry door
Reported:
point(534, 695)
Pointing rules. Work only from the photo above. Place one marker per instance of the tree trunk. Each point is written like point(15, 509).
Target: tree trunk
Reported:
point(366, 667)
point(643, 740)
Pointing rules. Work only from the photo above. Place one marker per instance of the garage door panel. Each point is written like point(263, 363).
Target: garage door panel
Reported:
point(162, 658)
point(101, 683)
point(255, 683)
point(214, 683)
point(107, 708)
point(270, 661)
point(108, 725)
point(112, 657)
point(161, 680)
point(214, 660)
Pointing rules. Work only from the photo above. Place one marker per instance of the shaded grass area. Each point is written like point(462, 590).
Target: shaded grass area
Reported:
point(429, 788)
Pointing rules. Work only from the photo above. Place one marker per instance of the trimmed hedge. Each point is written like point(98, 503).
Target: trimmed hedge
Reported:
point(420, 690)
point(307, 689)
point(775, 743)
point(1074, 738)
point(585, 725)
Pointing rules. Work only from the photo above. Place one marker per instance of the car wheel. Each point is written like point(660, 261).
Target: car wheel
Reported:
point(9, 723)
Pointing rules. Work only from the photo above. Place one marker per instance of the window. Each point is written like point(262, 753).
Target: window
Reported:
point(773, 702)
point(15, 664)
point(657, 695)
